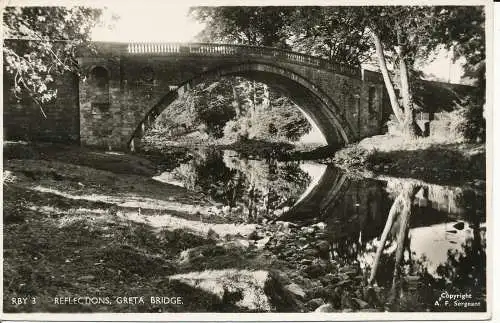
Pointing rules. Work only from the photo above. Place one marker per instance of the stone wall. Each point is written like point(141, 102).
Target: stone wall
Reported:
point(101, 119)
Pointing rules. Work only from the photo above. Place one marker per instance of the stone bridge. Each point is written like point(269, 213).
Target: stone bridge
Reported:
point(125, 86)
point(128, 85)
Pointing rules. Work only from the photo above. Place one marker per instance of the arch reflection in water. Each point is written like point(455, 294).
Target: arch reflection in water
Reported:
point(244, 189)
point(406, 241)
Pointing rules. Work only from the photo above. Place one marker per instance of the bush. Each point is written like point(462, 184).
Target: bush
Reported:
point(474, 126)
point(352, 156)
point(393, 127)
point(463, 124)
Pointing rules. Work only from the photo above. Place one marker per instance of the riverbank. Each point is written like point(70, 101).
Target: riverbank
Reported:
point(422, 159)
point(81, 222)
point(251, 148)
point(95, 225)
point(86, 223)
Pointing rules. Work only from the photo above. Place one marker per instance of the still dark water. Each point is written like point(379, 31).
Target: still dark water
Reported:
point(424, 244)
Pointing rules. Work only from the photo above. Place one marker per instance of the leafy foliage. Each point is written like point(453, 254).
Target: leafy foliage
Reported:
point(281, 119)
point(317, 31)
point(473, 126)
point(465, 36)
point(50, 36)
point(321, 31)
point(258, 26)
point(235, 108)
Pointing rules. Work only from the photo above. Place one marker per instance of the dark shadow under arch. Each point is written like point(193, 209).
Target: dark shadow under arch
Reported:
point(319, 106)
point(326, 194)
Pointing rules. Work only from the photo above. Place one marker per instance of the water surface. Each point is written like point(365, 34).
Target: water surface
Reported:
point(414, 243)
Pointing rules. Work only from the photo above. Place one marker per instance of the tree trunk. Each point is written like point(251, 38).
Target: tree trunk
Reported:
point(236, 102)
point(254, 100)
point(409, 126)
point(402, 235)
point(396, 108)
point(408, 194)
point(395, 209)
point(265, 98)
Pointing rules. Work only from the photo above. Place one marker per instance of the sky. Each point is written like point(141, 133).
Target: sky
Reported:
point(161, 22)
point(169, 22)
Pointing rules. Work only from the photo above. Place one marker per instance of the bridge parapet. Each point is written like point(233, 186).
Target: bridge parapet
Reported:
point(211, 49)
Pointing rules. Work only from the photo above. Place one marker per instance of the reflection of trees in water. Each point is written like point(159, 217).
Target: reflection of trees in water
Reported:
point(270, 186)
point(355, 219)
point(207, 172)
point(259, 188)
point(463, 270)
point(391, 263)
point(369, 226)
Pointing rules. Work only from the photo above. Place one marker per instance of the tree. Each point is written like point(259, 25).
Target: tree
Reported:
point(400, 35)
point(463, 32)
point(403, 34)
point(257, 26)
point(465, 36)
point(321, 31)
point(397, 34)
point(49, 38)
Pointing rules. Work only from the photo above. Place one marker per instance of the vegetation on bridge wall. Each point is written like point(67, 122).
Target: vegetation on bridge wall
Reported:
point(23, 119)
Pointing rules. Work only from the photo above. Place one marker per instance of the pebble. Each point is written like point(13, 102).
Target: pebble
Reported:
point(296, 290)
point(320, 225)
point(320, 235)
point(262, 242)
point(253, 235)
point(310, 252)
point(323, 246)
point(325, 308)
point(329, 278)
point(306, 261)
point(315, 270)
point(315, 303)
point(211, 234)
point(361, 303)
point(86, 278)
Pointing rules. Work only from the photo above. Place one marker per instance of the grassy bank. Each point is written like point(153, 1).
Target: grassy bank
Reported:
point(79, 222)
point(422, 159)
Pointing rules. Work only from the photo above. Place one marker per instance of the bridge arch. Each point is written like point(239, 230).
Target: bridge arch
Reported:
point(326, 114)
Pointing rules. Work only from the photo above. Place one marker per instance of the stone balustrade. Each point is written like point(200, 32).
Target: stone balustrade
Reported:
point(209, 49)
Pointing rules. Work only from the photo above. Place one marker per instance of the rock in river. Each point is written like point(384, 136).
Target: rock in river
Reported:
point(325, 308)
point(296, 290)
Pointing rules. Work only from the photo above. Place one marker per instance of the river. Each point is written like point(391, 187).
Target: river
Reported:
point(413, 244)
